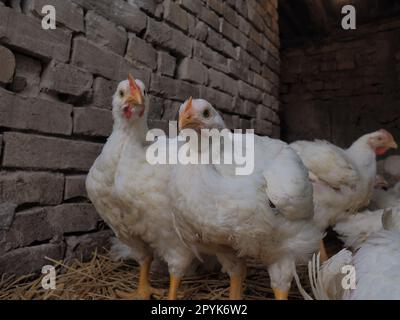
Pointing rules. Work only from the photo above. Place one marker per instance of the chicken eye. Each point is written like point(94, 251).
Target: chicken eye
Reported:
point(206, 113)
point(121, 93)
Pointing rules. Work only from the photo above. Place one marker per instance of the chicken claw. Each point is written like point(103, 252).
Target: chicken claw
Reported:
point(144, 290)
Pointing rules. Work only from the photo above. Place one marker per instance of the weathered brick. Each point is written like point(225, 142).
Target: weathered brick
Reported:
point(233, 34)
point(255, 18)
point(256, 51)
point(161, 34)
point(105, 33)
point(28, 260)
point(245, 124)
point(7, 214)
point(249, 109)
point(41, 224)
point(172, 89)
point(262, 127)
point(171, 110)
point(106, 63)
point(28, 71)
point(243, 57)
point(48, 152)
point(103, 90)
point(148, 6)
point(222, 82)
point(276, 132)
point(345, 60)
point(7, 65)
point(230, 14)
point(42, 188)
point(175, 15)
point(236, 70)
point(217, 42)
point(68, 13)
point(157, 106)
point(193, 71)
point(232, 121)
point(220, 100)
point(118, 11)
point(83, 247)
point(75, 187)
point(267, 100)
point(66, 79)
point(73, 217)
point(209, 57)
point(200, 31)
point(241, 7)
point(194, 6)
point(264, 113)
point(166, 64)
point(216, 5)
point(249, 92)
point(256, 36)
point(91, 121)
point(26, 33)
point(142, 52)
point(261, 83)
point(243, 25)
point(160, 124)
point(33, 113)
point(209, 17)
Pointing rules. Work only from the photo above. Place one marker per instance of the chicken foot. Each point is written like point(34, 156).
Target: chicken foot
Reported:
point(144, 290)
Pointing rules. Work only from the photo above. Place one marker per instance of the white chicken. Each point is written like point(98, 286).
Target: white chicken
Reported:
point(343, 180)
point(376, 265)
point(141, 187)
point(129, 193)
point(357, 228)
point(265, 215)
point(382, 199)
point(389, 168)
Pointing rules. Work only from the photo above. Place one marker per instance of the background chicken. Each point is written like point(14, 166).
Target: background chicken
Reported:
point(389, 198)
point(218, 211)
point(356, 229)
point(376, 263)
point(389, 169)
point(343, 179)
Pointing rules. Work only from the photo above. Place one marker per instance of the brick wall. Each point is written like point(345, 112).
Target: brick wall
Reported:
point(55, 99)
point(344, 86)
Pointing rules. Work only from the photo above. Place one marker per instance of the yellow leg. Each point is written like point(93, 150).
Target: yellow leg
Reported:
point(173, 287)
point(323, 253)
point(281, 294)
point(235, 290)
point(144, 290)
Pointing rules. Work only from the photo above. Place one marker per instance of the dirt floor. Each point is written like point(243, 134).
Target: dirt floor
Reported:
point(99, 278)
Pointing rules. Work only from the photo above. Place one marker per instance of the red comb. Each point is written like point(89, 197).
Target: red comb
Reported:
point(189, 104)
point(132, 83)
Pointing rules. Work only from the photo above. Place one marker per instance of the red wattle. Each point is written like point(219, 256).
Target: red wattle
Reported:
point(380, 151)
point(127, 112)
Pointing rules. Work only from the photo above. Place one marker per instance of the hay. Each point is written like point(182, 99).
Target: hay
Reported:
point(99, 278)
